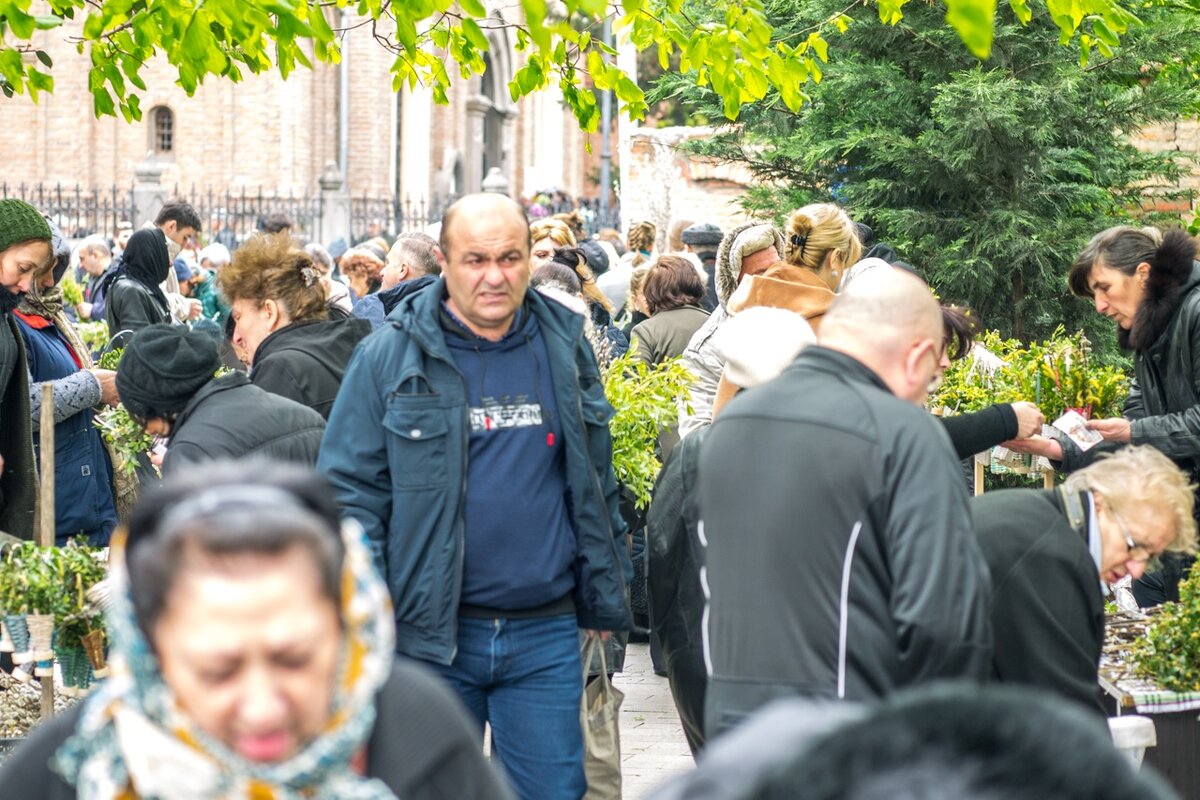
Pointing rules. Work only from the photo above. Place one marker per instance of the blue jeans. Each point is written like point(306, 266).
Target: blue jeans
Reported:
point(524, 676)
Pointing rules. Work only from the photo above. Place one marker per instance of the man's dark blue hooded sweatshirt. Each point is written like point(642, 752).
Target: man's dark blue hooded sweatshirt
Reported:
point(520, 543)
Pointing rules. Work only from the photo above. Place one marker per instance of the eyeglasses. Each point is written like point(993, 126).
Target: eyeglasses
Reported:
point(1137, 552)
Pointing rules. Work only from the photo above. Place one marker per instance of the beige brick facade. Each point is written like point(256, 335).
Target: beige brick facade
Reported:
point(275, 135)
point(1183, 136)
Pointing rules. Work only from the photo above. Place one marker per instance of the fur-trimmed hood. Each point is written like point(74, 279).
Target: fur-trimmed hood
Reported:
point(729, 264)
point(1172, 275)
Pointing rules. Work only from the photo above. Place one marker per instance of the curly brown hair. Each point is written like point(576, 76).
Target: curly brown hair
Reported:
point(271, 267)
point(359, 262)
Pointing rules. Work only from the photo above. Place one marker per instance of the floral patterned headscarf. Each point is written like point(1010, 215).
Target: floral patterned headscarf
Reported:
point(133, 740)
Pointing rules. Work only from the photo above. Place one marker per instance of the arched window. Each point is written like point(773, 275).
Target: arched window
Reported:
point(162, 121)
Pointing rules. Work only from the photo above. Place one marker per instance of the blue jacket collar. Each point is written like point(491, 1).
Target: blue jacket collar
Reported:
point(420, 314)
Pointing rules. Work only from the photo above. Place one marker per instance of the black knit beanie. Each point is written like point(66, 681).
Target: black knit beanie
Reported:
point(163, 367)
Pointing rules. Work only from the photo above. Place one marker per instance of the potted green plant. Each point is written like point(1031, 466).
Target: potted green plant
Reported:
point(1169, 654)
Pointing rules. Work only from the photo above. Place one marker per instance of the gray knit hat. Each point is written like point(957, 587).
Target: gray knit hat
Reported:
point(163, 367)
point(21, 222)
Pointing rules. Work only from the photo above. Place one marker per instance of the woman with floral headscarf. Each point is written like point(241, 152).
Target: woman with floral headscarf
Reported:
point(252, 658)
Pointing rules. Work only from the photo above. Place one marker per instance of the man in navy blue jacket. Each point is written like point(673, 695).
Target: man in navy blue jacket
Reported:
point(470, 440)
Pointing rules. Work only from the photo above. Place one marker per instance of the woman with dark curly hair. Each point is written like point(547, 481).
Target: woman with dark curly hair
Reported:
point(282, 322)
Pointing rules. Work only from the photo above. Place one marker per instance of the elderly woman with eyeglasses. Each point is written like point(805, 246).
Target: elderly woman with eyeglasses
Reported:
point(1049, 551)
point(252, 651)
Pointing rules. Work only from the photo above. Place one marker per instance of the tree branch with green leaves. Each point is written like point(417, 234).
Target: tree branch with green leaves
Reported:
point(737, 51)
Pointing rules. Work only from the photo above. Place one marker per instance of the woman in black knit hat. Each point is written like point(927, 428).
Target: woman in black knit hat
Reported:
point(166, 382)
point(25, 256)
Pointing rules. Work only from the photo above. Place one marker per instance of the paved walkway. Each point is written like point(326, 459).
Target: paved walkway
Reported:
point(652, 745)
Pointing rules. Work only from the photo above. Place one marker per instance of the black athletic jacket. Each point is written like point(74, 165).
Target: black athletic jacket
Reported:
point(840, 557)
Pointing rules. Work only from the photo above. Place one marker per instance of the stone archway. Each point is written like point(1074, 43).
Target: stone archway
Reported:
point(490, 115)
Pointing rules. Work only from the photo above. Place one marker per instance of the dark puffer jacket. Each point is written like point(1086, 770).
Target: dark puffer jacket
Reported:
point(675, 557)
point(305, 361)
point(1164, 400)
point(229, 418)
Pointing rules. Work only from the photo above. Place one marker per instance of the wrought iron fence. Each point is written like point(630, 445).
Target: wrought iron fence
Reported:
point(391, 216)
point(548, 204)
point(77, 211)
point(229, 216)
point(241, 213)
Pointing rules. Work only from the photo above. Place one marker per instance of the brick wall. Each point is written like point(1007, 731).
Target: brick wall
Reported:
point(661, 184)
point(1183, 136)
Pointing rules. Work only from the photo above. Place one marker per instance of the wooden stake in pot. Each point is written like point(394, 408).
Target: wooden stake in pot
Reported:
point(46, 511)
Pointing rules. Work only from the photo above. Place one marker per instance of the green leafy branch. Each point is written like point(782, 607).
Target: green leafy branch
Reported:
point(731, 47)
point(1057, 374)
point(646, 401)
point(127, 437)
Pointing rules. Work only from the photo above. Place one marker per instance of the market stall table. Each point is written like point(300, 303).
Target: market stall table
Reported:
point(1176, 715)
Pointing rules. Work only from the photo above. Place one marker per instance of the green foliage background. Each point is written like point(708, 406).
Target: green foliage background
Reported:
point(1170, 653)
point(987, 176)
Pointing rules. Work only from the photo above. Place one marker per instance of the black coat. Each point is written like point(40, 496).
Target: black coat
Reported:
point(1164, 400)
point(1047, 609)
point(18, 483)
point(305, 361)
point(674, 559)
point(131, 307)
point(231, 419)
point(977, 431)
point(837, 531)
point(708, 259)
point(423, 747)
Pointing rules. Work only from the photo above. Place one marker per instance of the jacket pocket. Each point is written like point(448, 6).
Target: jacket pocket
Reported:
point(417, 446)
point(596, 409)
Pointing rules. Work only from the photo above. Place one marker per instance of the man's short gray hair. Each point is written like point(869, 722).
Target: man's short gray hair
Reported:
point(320, 256)
point(94, 244)
point(418, 250)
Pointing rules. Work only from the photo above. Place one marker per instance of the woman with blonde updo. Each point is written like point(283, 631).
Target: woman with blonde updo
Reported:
point(282, 322)
point(820, 244)
point(615, 282)
point(821, 237)
point(547, 236)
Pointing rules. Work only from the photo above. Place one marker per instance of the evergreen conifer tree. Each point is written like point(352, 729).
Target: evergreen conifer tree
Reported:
point(987, 176)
